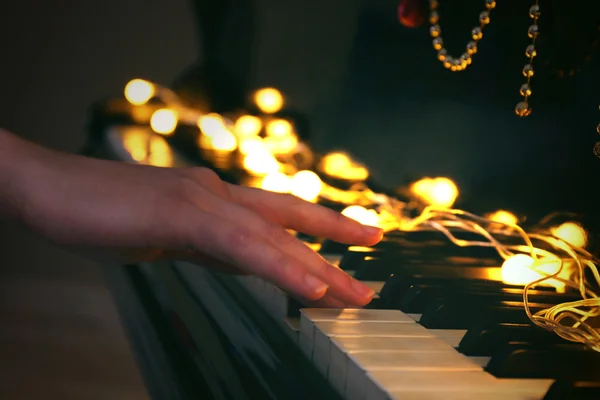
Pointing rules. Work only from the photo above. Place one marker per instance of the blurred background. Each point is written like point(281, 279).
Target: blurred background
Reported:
point(364, 82)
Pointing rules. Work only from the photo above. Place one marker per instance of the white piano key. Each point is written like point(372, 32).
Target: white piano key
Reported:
point(416, 317)
point(498, 389)
point(450, 336)
point(326, 330)
point(291, 326)
point(362, 363)
point(309, 316)
point(332, 258)
point(489, 393)
point(381, 383)
point(342, 346)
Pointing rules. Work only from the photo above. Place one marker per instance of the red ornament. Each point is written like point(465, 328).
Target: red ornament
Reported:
point(411, 13)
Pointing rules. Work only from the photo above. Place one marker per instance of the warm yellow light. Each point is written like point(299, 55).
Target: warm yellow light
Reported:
point(572, 233)
point(438, 192)
point(248, 125)
point(340, 165)
point(268, 100)
point(147, 148)
point(211, 124)
point(224, 141)
point(251, 144)
point(260, 162)
point(521, 269)
point(163, 121)
point(362, 215)
point(139, 91)
point(503, 217)
point(277, 182)
point(306, 185)
point(279, 127)
point(281, 145)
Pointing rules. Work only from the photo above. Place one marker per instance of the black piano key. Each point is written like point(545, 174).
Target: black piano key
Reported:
point(397, 285)
point(331, 247)
point(353, 257)
point(569, 362)
point(419, 296)
point(373, 269)
point(452, 314)
point(484, 339)
point(573, 390)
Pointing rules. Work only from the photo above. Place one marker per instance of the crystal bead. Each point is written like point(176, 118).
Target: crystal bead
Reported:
point(484, 17)
point(471, 47)
point(435, 31)
point(598, 128)
point(525, 90)
point(489, 4)
point(476, 33)
point(455, 65)
point(438, 43)
point(533, 32)
point(597, 149)
point(530, 51)
point(528, 71)
point(448, 62)
point(434, 18)
point(522, 109)
point(433, 4)
point(441, 54)
point(534, 11)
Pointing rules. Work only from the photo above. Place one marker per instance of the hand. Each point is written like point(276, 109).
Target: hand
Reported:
point(123, 213)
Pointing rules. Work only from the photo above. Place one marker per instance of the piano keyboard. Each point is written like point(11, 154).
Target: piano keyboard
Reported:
point(382, 353)
point(442, 326)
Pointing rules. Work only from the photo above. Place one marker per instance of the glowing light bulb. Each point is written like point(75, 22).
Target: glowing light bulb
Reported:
point(362, 215)
point(224, 141)
point(139, 91)
point(340, 165)
point(248, 125)
point(503, 217)
point(438, 192)
point(268, 100)
point(211, 124)
point(521, 269)
point(164, 121)
point(260, 162)
point(306, 185)
point(251, 144)
point(279, 127)
point(277, 182)
point(281, 145)
point(572, 233)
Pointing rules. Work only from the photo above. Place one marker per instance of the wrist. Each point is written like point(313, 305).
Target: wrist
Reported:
point(13, 162)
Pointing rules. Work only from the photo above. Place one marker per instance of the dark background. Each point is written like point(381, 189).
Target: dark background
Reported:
point(366, 84)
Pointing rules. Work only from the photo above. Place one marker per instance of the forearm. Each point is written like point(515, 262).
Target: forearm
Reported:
point(14, 160)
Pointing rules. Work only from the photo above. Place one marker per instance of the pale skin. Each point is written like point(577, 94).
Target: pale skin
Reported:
point(122, 213)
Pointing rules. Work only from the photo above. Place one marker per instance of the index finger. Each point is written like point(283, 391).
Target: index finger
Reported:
point(294, 213)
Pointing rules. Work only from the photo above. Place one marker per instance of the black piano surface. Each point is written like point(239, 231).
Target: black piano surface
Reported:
point(209, 338)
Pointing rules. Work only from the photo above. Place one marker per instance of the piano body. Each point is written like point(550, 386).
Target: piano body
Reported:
point(443, 324)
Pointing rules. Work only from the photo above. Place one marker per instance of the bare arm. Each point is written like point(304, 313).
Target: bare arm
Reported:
point(125, 213)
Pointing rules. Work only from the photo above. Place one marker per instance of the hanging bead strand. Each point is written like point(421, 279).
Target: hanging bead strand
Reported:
point(522, 109)
point(457, 63)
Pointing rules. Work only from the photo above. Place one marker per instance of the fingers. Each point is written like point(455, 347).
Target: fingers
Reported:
point(282, 251)
point(297, 214)
point(241, 247)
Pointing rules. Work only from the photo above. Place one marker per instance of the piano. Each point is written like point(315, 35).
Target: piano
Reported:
point(443, 323)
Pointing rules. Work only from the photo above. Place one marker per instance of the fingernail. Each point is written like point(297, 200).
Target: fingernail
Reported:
point(362, 289)
point(317, 285)
point(373, 230)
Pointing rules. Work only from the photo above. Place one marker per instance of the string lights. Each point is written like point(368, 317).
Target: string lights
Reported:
point(267, 149)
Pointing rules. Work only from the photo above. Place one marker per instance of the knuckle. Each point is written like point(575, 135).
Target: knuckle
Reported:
point(277, 235)
point(241, 239)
